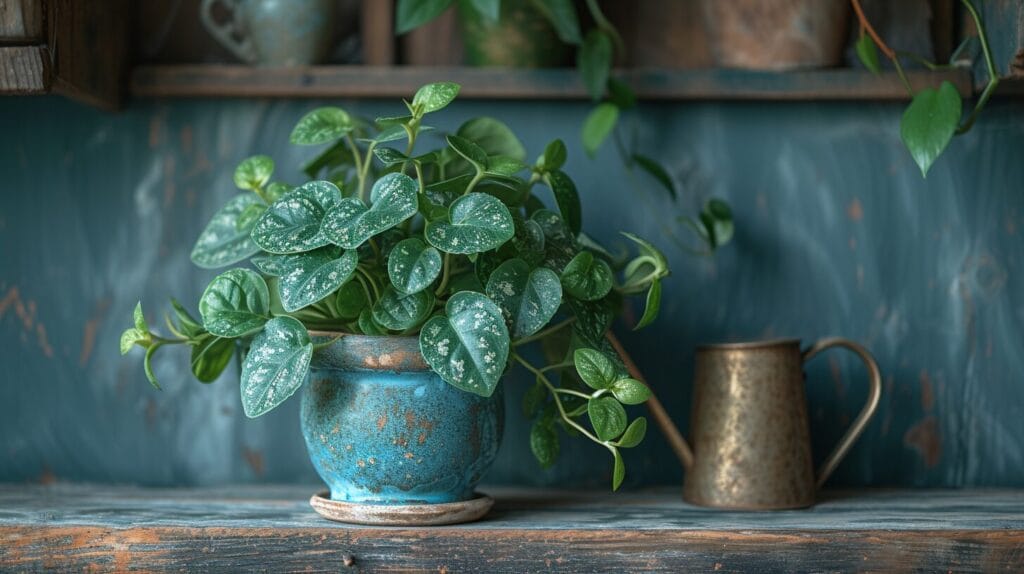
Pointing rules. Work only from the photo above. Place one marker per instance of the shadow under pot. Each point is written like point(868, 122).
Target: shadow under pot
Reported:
point(394, 442)
point(777, 35)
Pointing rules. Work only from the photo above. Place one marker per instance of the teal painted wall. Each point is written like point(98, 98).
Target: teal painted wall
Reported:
point(837, 234)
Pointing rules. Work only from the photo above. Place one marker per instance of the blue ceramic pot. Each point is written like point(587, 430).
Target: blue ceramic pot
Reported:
point(382, 428)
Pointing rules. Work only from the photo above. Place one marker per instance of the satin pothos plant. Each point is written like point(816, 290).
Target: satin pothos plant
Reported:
point(456, 245)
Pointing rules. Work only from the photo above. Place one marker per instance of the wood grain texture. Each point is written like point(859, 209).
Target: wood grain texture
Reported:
point(377, 32)
point(384, 82)
point(271, 528)
point(90, 49)
point(21, 21)
point(23, 70)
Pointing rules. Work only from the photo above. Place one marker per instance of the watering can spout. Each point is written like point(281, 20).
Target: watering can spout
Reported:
point(668, 428)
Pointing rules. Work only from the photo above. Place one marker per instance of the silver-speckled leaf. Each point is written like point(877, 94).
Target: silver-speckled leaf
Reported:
point(276, 365)
point(321, 126)
point(586, 277)
point(292, 223)
point(477, 222)
point(528, 298)
point(560, 244)
point(350, 223)
point(398, 311)
point(413, 265)
point(433, 97)
point(306, 278)
point(223, 242)
point(235, 304)
point(469, 345)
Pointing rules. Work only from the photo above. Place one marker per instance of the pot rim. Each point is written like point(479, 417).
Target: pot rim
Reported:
point(746, 345)
point(393, 353)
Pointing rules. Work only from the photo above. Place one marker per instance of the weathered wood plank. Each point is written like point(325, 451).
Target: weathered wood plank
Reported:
point(272, 528)
point(387, 82)
point(23, 70)
point(21, 21)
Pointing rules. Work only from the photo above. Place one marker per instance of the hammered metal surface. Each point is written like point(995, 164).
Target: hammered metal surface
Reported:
point(749, 429)
point(382, 428)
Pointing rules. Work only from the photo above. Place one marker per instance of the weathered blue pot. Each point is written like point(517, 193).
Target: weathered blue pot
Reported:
point(382, 428)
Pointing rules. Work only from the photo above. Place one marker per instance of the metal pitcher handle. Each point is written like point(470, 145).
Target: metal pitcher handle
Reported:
point(874, 393)
point(225, 33)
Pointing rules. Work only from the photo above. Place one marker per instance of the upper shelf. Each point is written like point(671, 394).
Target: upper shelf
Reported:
point(535, 84)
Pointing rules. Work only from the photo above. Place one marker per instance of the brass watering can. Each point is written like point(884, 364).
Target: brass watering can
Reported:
point(749, 427)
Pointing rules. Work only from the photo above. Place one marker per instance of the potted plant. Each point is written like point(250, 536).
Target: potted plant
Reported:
point(404, 284)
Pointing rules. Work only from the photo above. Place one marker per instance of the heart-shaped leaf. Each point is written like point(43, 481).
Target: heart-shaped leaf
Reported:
point(554, 156)
point(210, 356)
point(619, 470)
point(598, 125)
point(433, 97)
point(292, 223)
point(350, 224)
point(651, 307)
point(593, 318)
point(305, 278)
point(223, 242)
point(492, 136)
point(528, 298)
point(544, 442)
point(595, 62)
point(477, 222)
point(630, 391)
point(469, 345)
point(657, 171)
point(398, 311)
point(413, 265)
point(472, 153)
point(634, 434)
point(249, 215)
point(389, 156)
point(253, 172)
point(368, 326)
point(562, 15)
point(235, 304)
point(352, 299)
point(560, 244)
point(529, 241)
point(322, 125)
point(276, 365)
point(596, 370)
point(868, 53)
point(929, 122)
point(607, 417)
point(567, 198)
point(586, 277)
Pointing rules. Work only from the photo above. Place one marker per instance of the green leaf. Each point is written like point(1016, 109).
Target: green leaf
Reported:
point(188, 323)
point(248, 217)
point(717, 220)
point(476, 222)
point(223, 242)
point(139, 318)
point(322, 125)
point(630, 391)
point(559, 243)
point(389, 156)
point(651, 264)
point(529, 242)
point(351, 224)
point(607, 417)
point(368, 326)
point(433, 97)
point(292, 224)
point(276, 365)
point(467, 347)
point(594, 61)
point(351, 300)
point(492, 136)
point(619, 471)
point(473, 153)
point(594, 368)
point(651, 307)
point(235, 304)
point(554, 156)
point(533, 399)
point(620, 94)
point(132, 337)
point(593, 318)
point(567, 198)
point(275, 191)
point(528, 299)
point(210, 356)
point(504, 166)
point(598, 125)
point(634, 434)
point(586, 277)
point(488, 9)
point(147, 365)
point(306, 278)
point(868, 53)
point(334, 156)
point(413, 265)
point(657, 171)
point(930, 122)
point(544, 442)
point(562, 15)
point(398, 311)
point(253, 172)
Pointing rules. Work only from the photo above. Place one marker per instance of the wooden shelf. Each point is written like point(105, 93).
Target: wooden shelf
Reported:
point(249, 528)
point(548, 84)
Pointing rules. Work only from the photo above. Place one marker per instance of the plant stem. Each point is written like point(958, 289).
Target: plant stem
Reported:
point(364, 170)
point(358, 158)
point(558, 401)
point(472, 183)
point(573, 393)
point(993, 73)
point(419, 175)
point(889, 52)
point(558, 366)
point(925, 61)
point(326, 344)
point(603, 23)
point(544, 333)
point(445, 274)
